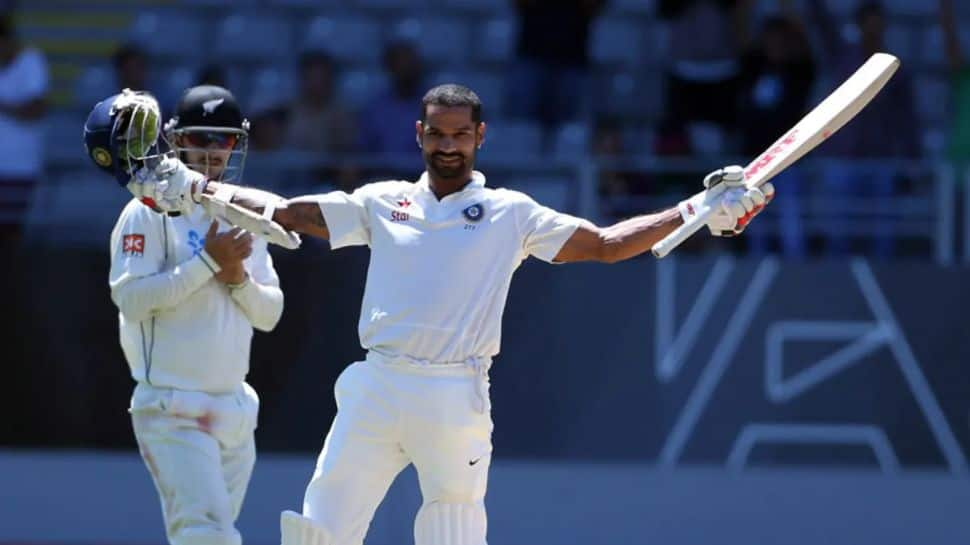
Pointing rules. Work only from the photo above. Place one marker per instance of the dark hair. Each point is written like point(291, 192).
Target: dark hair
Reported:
point(867, 8)
point(452, 95)
point(125, 53)
point(315, 56)
point(396, 46)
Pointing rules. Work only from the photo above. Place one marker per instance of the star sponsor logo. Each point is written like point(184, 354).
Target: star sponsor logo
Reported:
point(401, 215)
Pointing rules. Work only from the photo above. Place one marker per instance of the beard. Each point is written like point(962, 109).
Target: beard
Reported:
point(451, 169)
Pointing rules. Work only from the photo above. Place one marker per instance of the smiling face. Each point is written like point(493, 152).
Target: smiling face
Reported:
point(449, 137)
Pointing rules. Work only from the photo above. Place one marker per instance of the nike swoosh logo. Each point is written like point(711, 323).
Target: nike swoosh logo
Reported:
point(473, 462)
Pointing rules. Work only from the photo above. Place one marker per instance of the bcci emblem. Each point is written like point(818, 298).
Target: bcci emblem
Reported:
point(101, 157)
point(474, 213)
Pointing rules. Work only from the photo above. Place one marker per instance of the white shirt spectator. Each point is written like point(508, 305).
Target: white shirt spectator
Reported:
point(23, 80)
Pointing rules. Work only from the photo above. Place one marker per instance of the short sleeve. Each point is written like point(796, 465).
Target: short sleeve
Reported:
point(137, 244)
point(545, 230)
point(346, 217)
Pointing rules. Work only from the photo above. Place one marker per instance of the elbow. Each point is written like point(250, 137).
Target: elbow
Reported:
point(285, 217)
point(268, 323)
point(608, 250)
point(265, 327)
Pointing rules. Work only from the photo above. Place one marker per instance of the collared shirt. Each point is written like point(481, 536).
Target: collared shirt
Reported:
point(179, 326)
point(440, 271)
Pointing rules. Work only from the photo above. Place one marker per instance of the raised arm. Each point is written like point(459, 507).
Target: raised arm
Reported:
point(736, 205)
point(300, 214)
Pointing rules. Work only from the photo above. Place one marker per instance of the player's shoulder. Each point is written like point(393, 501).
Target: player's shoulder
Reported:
point(135, 212)
point(385, 187)
point(508, 197)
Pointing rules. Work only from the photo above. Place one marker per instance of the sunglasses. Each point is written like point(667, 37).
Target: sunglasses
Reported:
point(220, 140)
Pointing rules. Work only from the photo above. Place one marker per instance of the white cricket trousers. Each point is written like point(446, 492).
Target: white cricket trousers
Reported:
point(396, 411)
point(200, 451)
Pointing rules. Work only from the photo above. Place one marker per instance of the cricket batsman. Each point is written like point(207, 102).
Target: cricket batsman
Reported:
point(443, 251)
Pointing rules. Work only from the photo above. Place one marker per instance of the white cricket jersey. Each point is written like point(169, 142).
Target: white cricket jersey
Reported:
point(440, 271)
point(180, 327)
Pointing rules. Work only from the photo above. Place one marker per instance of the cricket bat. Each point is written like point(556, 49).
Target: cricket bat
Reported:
point(829, 116)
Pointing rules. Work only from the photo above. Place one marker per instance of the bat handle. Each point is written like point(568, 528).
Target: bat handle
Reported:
point(682, 233)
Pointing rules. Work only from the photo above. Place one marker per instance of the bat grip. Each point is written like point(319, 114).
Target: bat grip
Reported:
point(665, 245)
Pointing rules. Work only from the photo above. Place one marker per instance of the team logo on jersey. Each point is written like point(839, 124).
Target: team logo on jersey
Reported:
point(133, 245)
point(209, 106)
point(474, 213)
point(101, 156)
point(196, 242)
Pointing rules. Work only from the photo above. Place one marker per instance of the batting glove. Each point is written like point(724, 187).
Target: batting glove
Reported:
point(735, 204)
point(168, 186)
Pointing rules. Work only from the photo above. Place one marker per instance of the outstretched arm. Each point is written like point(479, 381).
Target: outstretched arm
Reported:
point(623, 240)
point(300, 214)
point(736, 205)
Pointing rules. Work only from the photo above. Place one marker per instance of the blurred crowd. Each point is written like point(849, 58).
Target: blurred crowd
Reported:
point(736, 78)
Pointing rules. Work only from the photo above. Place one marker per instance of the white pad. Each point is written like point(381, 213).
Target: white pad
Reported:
point(450, 524)
point(295, 529)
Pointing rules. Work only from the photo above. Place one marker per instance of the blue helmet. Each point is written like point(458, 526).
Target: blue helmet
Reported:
point(106, 135)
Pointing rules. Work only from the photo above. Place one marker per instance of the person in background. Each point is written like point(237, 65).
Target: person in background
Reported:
point(130, 64)
point(383, 120)
point(701, 77)
point(622, 191)
point(776, 79)
point(886, 129)
point(24, 82)
point(549, 80)
point(317, 122)
point(23, 104)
